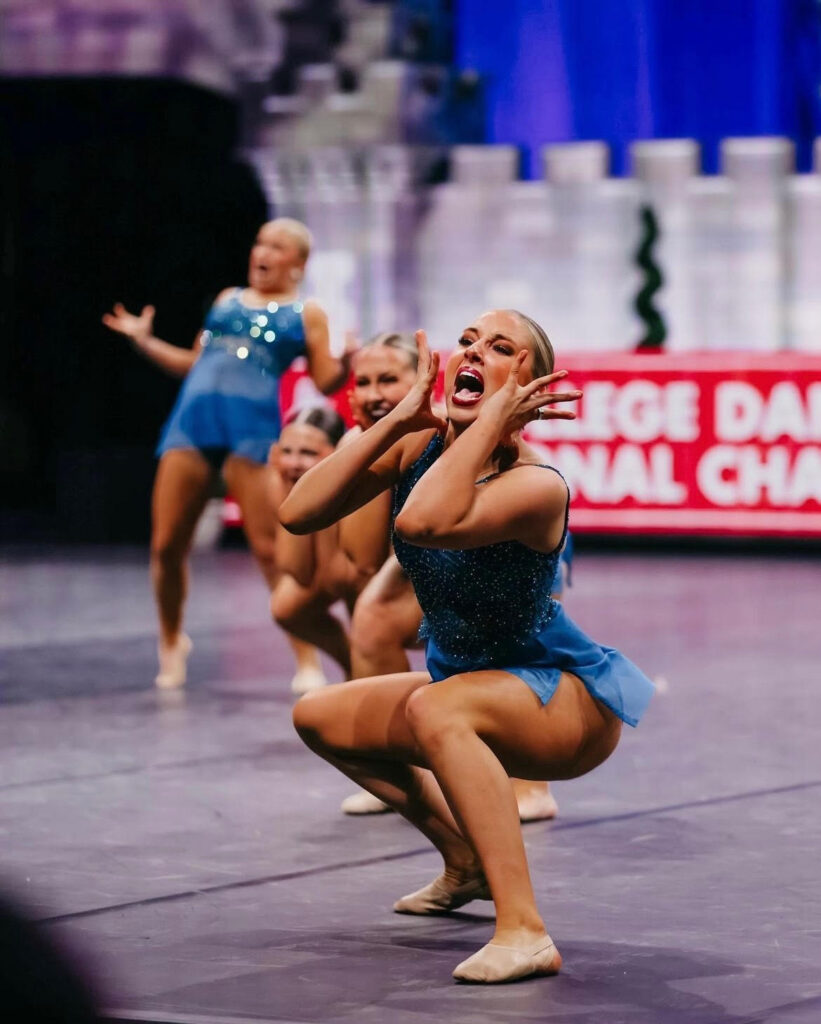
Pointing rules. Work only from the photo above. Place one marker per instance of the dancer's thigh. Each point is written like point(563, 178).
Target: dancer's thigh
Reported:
point(250, 485)
point(181, 488)
point(562, 739)
point(364, 718)
point(387, 608)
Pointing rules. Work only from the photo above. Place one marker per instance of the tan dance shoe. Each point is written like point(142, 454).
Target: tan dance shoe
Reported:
point(173, 663)
point(495, 964)
point(364, 802)
point(307, 679)
point(442, 896)
point(537, 806)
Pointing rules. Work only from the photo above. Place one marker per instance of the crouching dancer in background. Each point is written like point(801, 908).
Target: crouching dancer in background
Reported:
point(519, 689)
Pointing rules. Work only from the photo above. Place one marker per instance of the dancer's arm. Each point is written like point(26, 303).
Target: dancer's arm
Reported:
point(140, 332)
point(447, 510)
point(327, 372)
point(355, 473)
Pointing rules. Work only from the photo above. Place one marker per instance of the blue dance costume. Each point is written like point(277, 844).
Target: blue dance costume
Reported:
point(490, 607)
point(229, 402)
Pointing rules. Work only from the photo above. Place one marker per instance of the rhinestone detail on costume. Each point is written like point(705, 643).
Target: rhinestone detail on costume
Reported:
point(480, 604)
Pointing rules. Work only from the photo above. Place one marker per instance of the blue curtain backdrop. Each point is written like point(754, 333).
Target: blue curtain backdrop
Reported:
point(618, 70)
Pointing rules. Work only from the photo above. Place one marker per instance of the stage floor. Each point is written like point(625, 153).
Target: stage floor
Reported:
point(192, 850)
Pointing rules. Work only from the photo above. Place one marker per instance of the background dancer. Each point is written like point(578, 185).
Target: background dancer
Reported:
point(336, 564)
point(227, 416)
point(520, 690)
point(315, 572)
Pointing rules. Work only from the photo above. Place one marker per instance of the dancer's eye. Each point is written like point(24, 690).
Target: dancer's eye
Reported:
point(506, 350)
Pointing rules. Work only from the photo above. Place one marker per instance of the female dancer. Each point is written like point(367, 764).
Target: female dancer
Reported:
point(520, 690)
point(315, 572)
point(336, 563)
point(227, 415)
point(387, 616)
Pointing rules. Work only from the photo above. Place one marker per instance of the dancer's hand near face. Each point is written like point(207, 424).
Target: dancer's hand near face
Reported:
point(515, 405)
point(415, 410)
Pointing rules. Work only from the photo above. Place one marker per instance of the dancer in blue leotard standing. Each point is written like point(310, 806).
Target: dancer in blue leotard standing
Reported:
point(519, 690)
point(227, 416)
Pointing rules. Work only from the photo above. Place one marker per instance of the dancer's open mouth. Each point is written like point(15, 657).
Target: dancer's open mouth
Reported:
point(376, 412)
point(468, 387)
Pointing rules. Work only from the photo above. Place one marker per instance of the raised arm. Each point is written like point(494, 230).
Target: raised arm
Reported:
point(446, 509)
point(357, 472)
point(140, 332)
point(328, 372)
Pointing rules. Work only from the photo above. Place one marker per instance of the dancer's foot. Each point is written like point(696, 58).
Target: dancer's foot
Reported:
point(444, 894)
point(536, 803)
point(364, 802)
point(307, 679)
point(173, 659)
point(494, 963)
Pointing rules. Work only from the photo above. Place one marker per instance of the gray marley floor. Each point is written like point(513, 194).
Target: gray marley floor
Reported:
point(191, 850)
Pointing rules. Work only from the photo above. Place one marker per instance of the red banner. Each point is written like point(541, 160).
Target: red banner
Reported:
point(692, 444)
point(687, 444)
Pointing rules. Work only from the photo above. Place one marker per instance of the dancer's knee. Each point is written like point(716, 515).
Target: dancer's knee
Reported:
point(167, 553)
point(432, 718)
point(264, 550)
point(310, 720)
point(284, 610)
point(372, 629)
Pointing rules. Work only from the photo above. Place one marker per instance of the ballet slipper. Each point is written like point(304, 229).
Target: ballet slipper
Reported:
point(494, 963)
point(537, 807)
point(173, 659)
point(364, 802)
point(442, 895)
point(307, 679)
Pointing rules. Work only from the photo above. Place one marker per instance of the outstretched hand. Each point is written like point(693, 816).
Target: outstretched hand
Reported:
point(515, 405)
point(415, 408)
point(137, 328)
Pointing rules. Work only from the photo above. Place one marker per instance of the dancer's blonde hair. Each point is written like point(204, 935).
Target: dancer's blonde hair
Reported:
point(298, 231)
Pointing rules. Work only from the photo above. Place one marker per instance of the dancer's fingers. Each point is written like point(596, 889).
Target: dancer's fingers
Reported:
point(550, 397)
point(542, 382)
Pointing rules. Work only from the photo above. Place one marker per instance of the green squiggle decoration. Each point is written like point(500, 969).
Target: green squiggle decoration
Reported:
point(655, 327)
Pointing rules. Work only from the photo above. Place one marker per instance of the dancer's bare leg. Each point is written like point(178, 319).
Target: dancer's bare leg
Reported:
point(181, 488)
point(477, 729)
point(306, 656)
point(385, 620)
point(305, 615)
point(472, 731)
point(360, 728)
point(250, 484)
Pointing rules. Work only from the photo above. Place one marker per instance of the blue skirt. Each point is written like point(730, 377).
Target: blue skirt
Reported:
point(562, 647)
point(225, 405)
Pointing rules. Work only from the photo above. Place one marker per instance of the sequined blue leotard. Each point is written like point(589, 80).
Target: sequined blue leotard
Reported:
point(490, 607)
point(229, 402)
